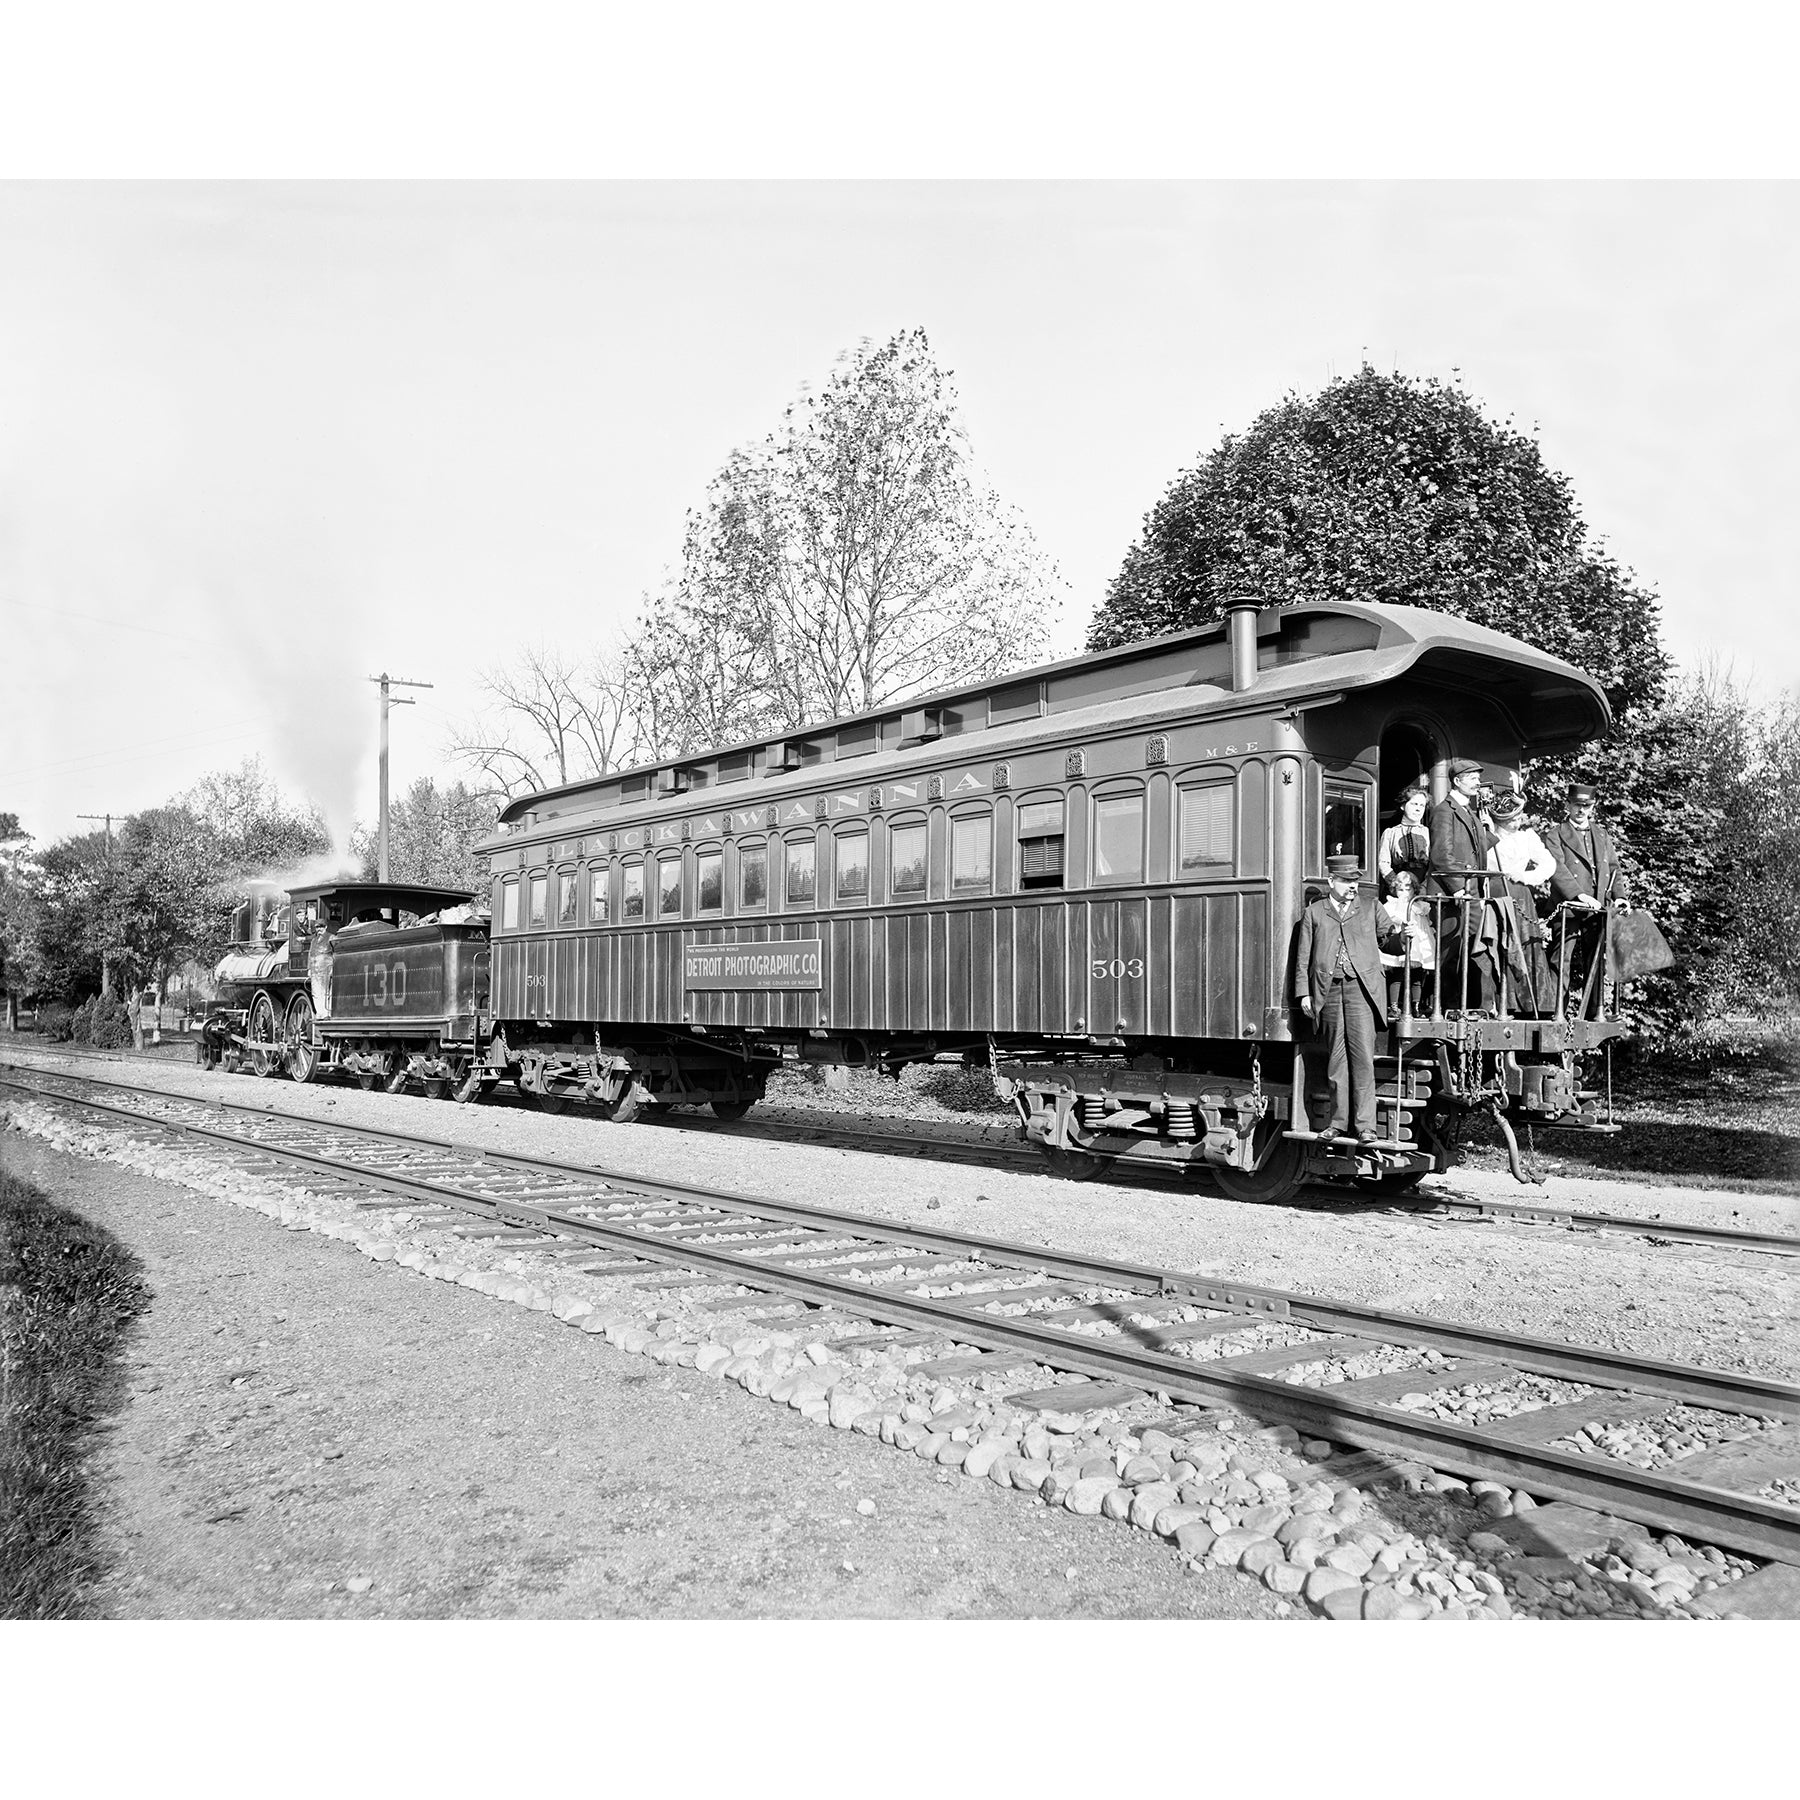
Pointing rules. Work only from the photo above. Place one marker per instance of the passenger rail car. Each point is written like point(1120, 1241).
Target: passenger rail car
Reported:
point(1087, 876)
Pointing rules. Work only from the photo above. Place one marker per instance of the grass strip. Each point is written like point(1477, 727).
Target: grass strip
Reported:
point(69, 1292)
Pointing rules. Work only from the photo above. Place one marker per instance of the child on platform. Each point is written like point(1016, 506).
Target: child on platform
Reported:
point(1403, 910)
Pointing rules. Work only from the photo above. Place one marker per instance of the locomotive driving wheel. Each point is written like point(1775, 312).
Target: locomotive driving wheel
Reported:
point(260, 1029)
point(731, 1109)
point(303, 1056)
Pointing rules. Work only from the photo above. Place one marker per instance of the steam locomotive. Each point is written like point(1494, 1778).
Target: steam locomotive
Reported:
point(1086, 877)
point(386, 982)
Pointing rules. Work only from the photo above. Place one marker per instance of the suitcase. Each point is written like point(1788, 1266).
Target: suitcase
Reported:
point(1637, 947)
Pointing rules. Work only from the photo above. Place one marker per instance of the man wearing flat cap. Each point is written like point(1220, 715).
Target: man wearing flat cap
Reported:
point(1340, 988)
point(1587, 881)
point(1460, 841)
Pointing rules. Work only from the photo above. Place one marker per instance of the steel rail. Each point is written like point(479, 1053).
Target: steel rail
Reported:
point(1595, 1364)
point(1728, 1237)
point(1740, 1521)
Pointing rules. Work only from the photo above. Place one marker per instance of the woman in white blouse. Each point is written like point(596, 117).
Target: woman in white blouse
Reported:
point(1407, 845)
point(1519, 854)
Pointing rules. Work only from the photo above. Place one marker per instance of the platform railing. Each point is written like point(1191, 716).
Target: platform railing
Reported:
point(1489, 888)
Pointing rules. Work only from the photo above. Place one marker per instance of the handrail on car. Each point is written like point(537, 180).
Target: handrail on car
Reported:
point(1599, 969)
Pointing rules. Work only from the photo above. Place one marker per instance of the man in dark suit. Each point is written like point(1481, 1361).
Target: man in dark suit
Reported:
point(1340, 988)
point(1460, 840)
point(1587, 881)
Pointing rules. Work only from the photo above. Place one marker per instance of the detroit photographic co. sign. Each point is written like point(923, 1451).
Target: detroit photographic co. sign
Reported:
point(788, 963)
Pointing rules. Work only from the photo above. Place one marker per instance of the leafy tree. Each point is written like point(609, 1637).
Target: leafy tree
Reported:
point(160, 894)
point(853, 557)
point(1387, 488)
point(1769, 903)
point(74, 917)
point(18, 912)
point(255, 829)
point(173, 894)
point(1719, 826)
point(432, 833)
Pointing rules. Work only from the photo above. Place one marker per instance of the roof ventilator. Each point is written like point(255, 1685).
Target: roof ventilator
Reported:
point(1240, 631)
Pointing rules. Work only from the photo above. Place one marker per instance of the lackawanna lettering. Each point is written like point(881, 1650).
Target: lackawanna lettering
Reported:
point(896, 793)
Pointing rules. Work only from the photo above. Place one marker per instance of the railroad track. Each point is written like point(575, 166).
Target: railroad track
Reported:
point(1123, 1329)
point(1020, 1160)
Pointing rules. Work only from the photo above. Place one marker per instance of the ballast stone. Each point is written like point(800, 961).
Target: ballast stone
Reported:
point(1284, 1577)
point(1172, 1518)
point(1323, 1581)
point(1228, 1546)
point(1148, 1501)
point(1115, 1504)
point(1195, 1539)
point(1260, 1556)
point(982, 1457)
point(1348, 1560)
point(1084, 1498)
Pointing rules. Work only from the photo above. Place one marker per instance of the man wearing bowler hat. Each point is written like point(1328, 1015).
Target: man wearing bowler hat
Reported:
point(1460, 840)
point(1587, 881)
point(1341, 990)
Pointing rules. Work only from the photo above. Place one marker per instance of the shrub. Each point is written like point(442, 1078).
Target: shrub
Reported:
point(106, 1024)
point(109, 1025)
point(56, 1022)
point(69, 1292)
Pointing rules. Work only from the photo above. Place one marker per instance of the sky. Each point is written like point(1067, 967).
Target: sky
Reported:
point(260, 441)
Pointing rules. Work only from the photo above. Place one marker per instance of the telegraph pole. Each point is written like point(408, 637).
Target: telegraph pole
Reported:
point(386, 681)
point(106, 992)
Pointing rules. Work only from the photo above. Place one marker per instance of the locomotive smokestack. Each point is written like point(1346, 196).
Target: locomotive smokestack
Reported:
point(1240, 632)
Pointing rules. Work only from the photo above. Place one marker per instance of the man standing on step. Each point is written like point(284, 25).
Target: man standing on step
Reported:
point(1460, 842)
point(1587, 881)
point(1341, 990)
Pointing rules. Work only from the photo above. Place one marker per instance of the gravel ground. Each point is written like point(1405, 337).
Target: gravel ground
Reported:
point(1693, 1305)
point(301, 1418)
